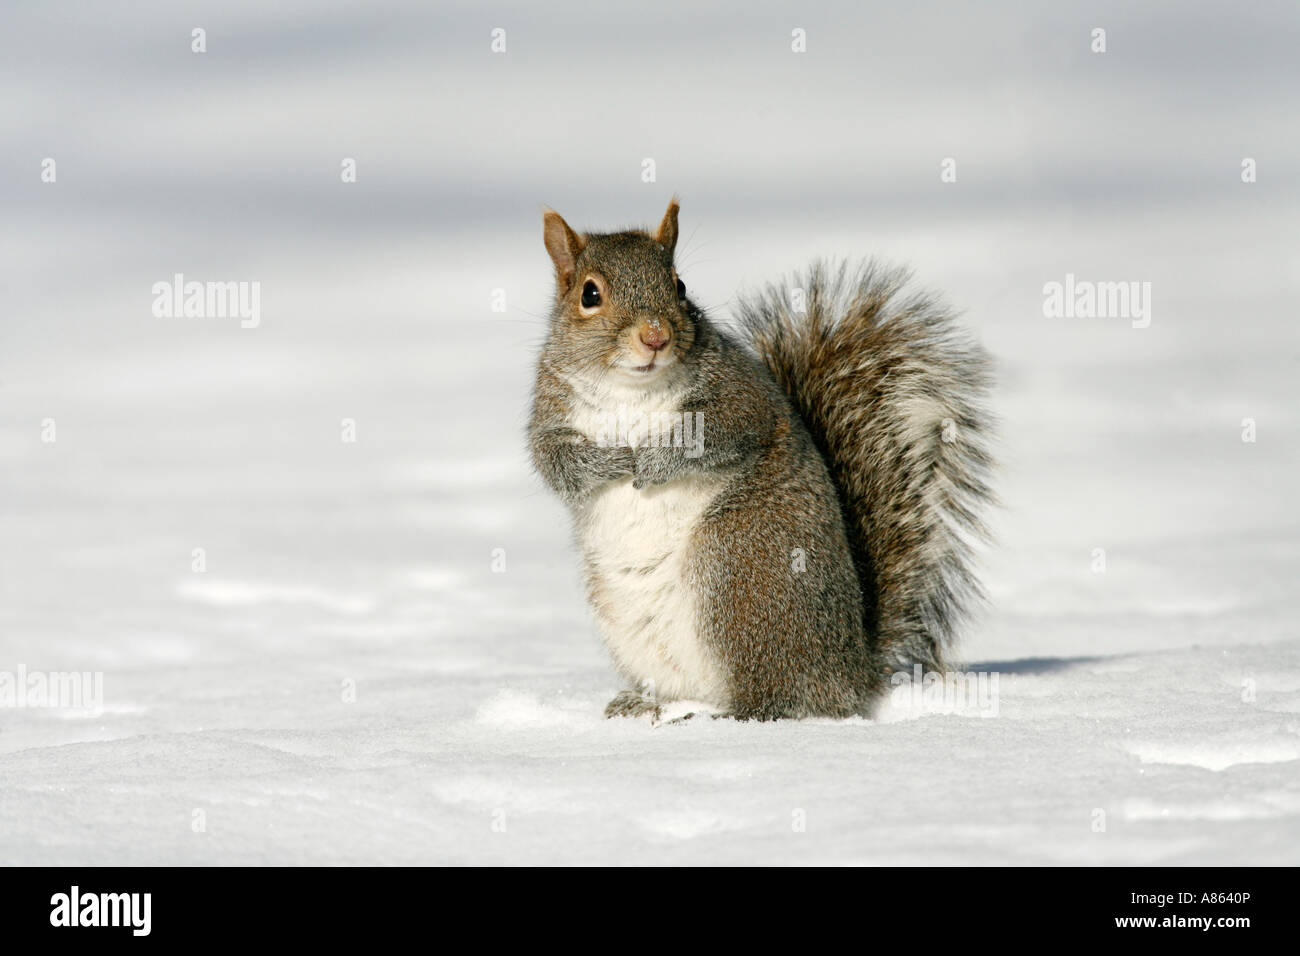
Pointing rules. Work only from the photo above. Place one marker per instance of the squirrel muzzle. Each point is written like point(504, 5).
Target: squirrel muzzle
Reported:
point(649, 344)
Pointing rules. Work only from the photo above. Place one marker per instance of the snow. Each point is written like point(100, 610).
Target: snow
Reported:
point(349, 679)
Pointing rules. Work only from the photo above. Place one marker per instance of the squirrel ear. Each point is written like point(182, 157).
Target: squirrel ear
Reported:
point(666, 235)
point(564, 245)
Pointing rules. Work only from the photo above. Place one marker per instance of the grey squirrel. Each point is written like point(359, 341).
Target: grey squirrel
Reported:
point(775, 520)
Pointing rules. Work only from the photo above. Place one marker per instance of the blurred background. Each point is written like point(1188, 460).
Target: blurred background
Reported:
point(328, 560)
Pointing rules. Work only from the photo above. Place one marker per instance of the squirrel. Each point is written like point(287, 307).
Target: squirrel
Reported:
point(803, 524)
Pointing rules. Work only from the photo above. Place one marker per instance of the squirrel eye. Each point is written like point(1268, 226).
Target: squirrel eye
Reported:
point(681, 289)
point(590, 295)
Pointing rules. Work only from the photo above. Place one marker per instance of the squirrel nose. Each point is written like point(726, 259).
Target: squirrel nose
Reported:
point(654, 337)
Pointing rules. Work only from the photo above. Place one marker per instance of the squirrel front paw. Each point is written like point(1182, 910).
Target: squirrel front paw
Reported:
point(617, 462)
point(655, 466)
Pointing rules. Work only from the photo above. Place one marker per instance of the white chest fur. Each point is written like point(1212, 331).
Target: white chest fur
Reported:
point(636, 544)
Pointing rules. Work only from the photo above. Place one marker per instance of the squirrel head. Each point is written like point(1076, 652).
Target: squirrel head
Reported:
point(620, 306)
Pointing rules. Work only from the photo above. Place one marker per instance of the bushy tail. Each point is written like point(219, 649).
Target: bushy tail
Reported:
point(892, 391)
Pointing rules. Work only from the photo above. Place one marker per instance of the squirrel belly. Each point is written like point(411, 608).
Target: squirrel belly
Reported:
point(636, 546)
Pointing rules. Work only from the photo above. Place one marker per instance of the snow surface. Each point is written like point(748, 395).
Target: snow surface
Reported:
point(350, 681)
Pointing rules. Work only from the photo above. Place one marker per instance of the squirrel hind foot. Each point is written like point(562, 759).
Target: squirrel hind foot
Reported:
point(630, 703)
